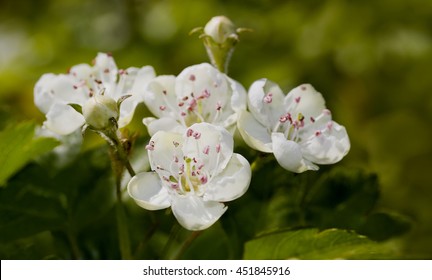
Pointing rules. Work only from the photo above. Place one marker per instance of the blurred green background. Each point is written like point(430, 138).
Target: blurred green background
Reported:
point(370, 59)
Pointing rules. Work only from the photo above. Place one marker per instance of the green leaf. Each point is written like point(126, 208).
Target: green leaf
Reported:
point(381, 226)
point(313, 244)
point(18, 146)
point(341, 199)
point(27, 208)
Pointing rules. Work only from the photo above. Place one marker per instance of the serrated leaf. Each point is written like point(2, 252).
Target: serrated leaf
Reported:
point(18, 146)
point(314, 244)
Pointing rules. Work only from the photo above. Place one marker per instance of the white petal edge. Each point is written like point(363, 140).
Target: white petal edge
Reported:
point(163, 124)
point(160, 91)
point(289, 154)
point(329, 147)
point(267, 114)
point(63, 119)
point(147, 191)
point(195, 214)
point(239, 96)
point(166, 145)
point(231, 183)
point(254, 133)
point(310, 103)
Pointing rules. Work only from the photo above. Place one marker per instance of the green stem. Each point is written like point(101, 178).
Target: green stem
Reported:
point(259, 161)
point(174, 231)
point(76, 253)
point(122, 227)
point(194, 235)
point(121, 154)
point(219, 55)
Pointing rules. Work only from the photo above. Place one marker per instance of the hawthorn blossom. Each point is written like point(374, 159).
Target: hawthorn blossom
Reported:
point(200, 93)
point(53, 93)
point(297, 128)
point(193, 173)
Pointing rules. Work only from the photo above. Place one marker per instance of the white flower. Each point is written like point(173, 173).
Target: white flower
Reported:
point(296, 128)
point(200, 93)
point(194, 173)
point(53, 93)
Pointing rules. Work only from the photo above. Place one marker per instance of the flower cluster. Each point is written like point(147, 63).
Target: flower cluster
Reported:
point(194, 169)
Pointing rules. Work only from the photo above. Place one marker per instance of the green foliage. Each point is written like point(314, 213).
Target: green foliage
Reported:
point(18, 146)
point(313, 244)
point(66, 203)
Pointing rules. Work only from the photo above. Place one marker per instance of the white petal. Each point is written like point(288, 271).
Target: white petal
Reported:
point(160, 97)
point(195, 214)
point(289, 154)
point(81, 71)
point(166, 146)
point(267, 114)
point(163, 124)
point(106, 69)
point(254, 133)
point(147, 191)
point(143, 77)
point(306, 100)
point(127, 109)
point(63, 119)
point(231, 183)
point(51, 89)
point(219, 141)
point(239, 96)
point(328, 147)
point(198, 79)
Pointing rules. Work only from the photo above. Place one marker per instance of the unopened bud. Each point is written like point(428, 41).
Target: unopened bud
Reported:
point(100, 111)
point(220, 28)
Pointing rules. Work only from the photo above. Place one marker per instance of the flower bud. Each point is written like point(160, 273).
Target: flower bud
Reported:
point(99, 111)
point(220, 28)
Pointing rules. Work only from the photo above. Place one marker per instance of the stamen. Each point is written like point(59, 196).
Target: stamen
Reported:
point(268, 98)
point(206, 150)
point(162, 108)
point(150, 146)
point(205, 94)
point(197, 135)
point(192, 77)
point(297, 99)
point(189, 132)
point(204, 179)
point(218, 148)
point(192, 104)
point(218, 106)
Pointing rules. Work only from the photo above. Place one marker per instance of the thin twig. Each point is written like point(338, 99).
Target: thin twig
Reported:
point(194, 235)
